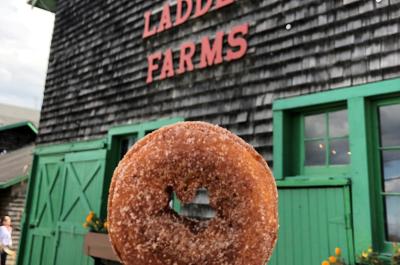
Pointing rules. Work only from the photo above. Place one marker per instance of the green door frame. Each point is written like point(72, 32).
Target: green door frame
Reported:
point(379, 226)
point(357, 100)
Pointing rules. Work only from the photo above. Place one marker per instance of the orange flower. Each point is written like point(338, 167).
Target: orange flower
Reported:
point(105, 225)
point(332, 259)
point(338, 252)
point(85, 225)
point(325, 262)
point(89, 217)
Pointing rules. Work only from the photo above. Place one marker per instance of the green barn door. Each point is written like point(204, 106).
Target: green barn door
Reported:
point(82, 187)
point(45, 209)
point(64, 189)
point(313, 222)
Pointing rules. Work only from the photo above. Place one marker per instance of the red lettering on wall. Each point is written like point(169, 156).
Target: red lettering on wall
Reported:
point(186, 57)
point(201, 9)
point(165, 21)
point(147, 31)
point(223, 3)
point(168, 65)
point(182, 15)
point(211, 55)
point(236, 39)
point(152, 66)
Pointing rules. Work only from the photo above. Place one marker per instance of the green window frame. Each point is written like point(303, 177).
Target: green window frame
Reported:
point(361, 171)
point(132, 133)
point(378, 170)
point(327, 168)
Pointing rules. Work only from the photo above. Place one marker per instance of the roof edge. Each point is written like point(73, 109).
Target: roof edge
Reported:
point(48, 5)
point(14, 181)
point(18, 125)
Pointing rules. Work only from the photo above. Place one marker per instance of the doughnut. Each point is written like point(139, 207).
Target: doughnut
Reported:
point(183, 158)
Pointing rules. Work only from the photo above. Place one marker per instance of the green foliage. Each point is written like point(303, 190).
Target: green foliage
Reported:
point(371, 257)
point(396, 254)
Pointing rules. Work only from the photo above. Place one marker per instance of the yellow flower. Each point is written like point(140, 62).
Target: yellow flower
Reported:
point(332, 259)
point(370, 250)
point(105, 224)
point(325, 262)
point(89, 217)
point(364, 254)
point(338, 252)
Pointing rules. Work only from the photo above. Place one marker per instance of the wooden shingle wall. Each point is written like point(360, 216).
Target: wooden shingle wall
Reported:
point(98, 67)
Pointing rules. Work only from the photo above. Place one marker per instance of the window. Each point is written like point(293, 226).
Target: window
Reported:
point(387, 149)
point(373, 144)
point(325, 141)
point(126, 143)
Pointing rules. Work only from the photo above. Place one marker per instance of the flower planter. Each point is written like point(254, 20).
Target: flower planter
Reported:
point(98, 246)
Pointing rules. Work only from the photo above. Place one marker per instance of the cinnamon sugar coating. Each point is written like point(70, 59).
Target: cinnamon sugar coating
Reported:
point(185, 157)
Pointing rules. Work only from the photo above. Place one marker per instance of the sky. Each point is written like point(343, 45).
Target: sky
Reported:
point(25, 36)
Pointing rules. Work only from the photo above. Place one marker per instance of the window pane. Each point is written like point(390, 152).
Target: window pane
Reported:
point(390, 125)
point(391, 171)
point(125, 144)
point(392, 204)
point(314, 153)
point(339, 152)
point(314, 126)
point(338, 125)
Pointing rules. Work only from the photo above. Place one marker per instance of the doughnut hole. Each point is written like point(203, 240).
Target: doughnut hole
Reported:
point(198, 209)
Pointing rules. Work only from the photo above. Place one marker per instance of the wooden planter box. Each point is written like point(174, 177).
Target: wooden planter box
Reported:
point(98, 246)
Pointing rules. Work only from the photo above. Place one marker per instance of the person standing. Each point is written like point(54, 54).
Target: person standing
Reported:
point(5, 238)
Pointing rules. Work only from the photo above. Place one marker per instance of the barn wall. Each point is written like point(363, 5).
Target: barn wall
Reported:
point(97, 67)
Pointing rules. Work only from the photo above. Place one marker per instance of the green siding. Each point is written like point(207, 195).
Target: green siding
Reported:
point(313, 221)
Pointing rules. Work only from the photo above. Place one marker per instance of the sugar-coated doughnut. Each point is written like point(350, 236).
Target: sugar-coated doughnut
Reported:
point(183, 158)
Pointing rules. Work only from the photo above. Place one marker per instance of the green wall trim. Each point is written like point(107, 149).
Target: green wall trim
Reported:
point(140, 127)
point(12, 182)
point(18, 125)
point(366, 90)
point(278, 140)
point(359, 172)
point(302, 182)
point(70, 147)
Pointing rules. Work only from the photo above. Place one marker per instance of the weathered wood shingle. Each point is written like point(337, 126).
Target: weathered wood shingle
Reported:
point(97, 68)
